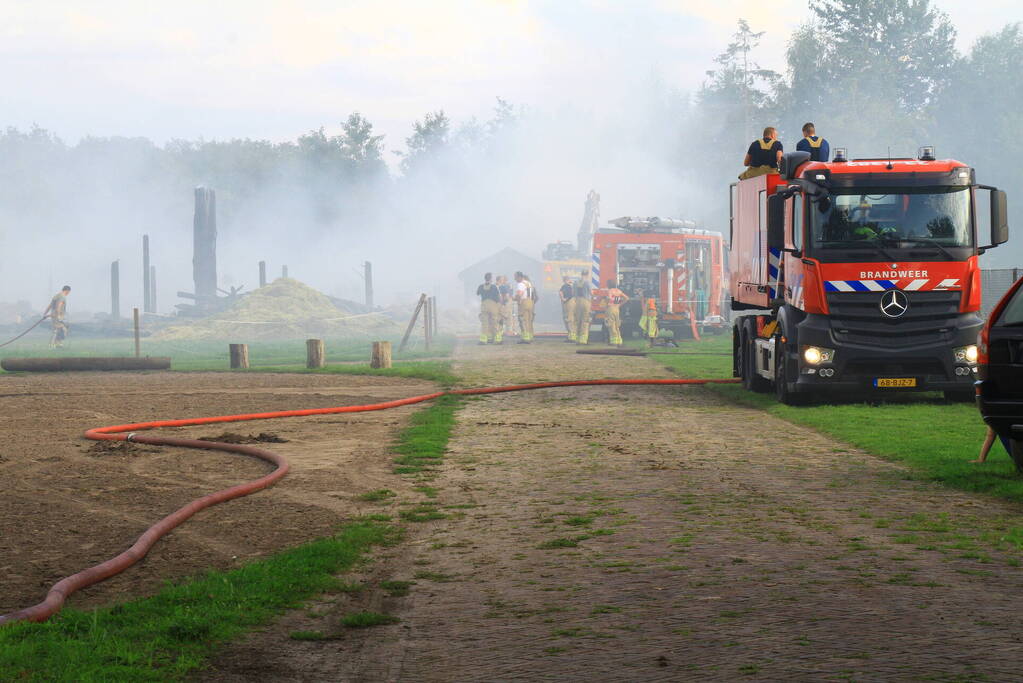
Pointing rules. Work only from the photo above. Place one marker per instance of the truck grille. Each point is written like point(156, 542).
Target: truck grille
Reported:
point(856, 318)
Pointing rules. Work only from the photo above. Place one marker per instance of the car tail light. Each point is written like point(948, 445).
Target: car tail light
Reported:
point(982, 339)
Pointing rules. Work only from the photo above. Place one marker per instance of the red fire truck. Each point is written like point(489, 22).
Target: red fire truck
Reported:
point(859, 275)
point(665, 259)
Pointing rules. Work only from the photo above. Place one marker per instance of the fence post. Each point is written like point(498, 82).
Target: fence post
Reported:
point(239, 355)
point(314, 353)
point(381, 357)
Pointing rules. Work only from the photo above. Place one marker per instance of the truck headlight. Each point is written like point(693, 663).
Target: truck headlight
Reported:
point(966, 354)
point(815, 355)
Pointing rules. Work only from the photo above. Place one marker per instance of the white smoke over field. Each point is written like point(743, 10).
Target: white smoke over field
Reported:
point(518, 180)
point(463, 188)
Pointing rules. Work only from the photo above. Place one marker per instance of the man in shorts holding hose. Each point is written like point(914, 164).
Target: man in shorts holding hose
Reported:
point(56, 311)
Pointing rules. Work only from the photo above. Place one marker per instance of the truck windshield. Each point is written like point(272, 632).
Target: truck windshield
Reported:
point(888, 223)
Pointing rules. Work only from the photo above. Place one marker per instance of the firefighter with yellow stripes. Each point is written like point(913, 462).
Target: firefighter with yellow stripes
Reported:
point(648, 321)
point(581, 307)
point(490, 310)
point(525, 297)
point(613, 313)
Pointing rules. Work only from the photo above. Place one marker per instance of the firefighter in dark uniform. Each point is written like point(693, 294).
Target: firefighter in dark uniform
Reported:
point(763, 155)
point(814, 144)
point(566, 293)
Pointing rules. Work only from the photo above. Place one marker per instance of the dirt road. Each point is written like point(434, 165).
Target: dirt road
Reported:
point(650, 533)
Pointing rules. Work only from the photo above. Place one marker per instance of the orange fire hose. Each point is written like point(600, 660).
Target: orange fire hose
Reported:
point(61, 590)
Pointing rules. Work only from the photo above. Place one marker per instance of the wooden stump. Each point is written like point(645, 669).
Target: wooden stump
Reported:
point(381, 355)
point(239, 355)
point(315, 356)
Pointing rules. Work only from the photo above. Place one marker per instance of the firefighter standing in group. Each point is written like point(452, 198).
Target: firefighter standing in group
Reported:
point(56, 311)
point(490, 310)
point(613, 313)
point(566, 293)
point(525, 298)
point(506, 325)
point(581, 308)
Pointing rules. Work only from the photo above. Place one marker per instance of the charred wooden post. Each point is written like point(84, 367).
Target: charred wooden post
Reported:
point(427, 322)
point(138, 342)
point(262, 273)
point(412, 323)
point(368, 278)
point(239, 355)
point(204, 244)
point(381, 357)
point(147, 291)
point(152, 289)
point(115, 290)
point(433, 316)
point(315, 354)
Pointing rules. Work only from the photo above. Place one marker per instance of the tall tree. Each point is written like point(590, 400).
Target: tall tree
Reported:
point(739, 80)
point(979, 119)
point(871, 72)
point(429, 138)
point(360, 146)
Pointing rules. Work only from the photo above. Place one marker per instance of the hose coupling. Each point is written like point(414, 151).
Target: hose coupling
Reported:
point(130, 436)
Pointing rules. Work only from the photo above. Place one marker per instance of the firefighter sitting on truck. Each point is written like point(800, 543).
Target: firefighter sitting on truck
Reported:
point(817, 146)
point(763, 155)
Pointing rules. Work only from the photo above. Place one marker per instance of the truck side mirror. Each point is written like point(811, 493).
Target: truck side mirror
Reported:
point(776, 222)
point(790, 161)
point(999, 218)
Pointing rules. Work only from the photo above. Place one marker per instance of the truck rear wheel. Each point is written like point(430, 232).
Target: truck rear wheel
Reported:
point(750, 379)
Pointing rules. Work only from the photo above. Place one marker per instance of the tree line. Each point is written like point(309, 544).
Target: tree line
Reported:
point(877, 76)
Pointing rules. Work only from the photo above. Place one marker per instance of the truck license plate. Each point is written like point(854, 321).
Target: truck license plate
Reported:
point(894, 382)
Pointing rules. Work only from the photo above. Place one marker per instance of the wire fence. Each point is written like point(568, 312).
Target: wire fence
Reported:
point(995, 283)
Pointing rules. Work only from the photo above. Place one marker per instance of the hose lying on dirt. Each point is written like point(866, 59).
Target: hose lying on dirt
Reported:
point(65, 587)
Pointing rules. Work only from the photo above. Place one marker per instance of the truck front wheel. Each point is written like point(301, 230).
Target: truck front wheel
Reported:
point(781, 376)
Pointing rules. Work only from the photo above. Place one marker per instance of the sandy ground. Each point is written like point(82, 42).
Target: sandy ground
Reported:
point(642, 533)
point(68, 503)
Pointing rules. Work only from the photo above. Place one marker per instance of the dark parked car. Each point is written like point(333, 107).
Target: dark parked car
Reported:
point(1000, 369)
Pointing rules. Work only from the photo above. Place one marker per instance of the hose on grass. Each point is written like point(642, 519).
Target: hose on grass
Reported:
point(11, 341)
point(61, 590)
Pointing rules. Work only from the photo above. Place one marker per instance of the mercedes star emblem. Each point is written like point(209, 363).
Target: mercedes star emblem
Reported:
point(894, 303)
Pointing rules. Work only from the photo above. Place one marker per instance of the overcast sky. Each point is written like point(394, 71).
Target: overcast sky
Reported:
point(261, 69)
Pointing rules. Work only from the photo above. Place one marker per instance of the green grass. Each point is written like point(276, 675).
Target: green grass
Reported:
point(282, 356)
point(422, 445)
point(367, 619)
point(170, 634)
point(376, 496)
point(934, 438)
point(397, 589)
